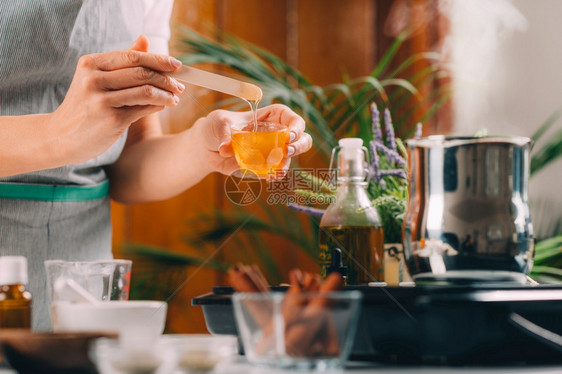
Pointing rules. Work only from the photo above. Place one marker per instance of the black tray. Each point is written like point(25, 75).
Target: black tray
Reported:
point(463, 325)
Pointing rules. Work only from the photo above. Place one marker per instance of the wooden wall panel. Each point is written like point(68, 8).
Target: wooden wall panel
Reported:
point(429, 28)
point(196, 14)
point(335, 38)
point(257, 21)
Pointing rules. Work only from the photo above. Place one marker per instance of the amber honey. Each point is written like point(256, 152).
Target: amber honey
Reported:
point(15, 307)
point(260, 150)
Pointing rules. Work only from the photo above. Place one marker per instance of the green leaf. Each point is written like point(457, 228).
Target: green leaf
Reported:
point(549, 252)
point(390, 53)
point(403, 83)
point(548, 153)
point(546, 125)
point(424, 56)
point(546, 274)
point(165, 257)
point(391, 210)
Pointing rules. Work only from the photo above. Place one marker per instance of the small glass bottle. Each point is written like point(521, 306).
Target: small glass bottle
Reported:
point(351, 223)
point(15, 300)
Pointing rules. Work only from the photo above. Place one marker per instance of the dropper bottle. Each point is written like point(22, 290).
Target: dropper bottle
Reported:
point(15, 299)
point(351, 223)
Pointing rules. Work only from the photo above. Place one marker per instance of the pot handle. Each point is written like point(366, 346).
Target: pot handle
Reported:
point(536, 332)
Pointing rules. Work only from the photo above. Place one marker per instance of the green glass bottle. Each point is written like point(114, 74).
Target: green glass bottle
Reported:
point(351, 223)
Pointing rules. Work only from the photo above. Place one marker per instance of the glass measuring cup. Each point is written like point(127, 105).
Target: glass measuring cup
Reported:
point(105, 280)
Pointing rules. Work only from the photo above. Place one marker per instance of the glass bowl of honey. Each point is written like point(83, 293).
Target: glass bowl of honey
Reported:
point(260, 148)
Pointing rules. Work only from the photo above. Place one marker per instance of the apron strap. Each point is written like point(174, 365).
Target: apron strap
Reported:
point(45, 192)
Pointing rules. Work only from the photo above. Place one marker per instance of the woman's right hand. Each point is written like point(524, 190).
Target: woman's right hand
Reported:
point(110, 91)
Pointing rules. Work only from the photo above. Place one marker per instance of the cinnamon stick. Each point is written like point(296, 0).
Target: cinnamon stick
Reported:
point(242, 281)
point(309, 326)
point(312, 323)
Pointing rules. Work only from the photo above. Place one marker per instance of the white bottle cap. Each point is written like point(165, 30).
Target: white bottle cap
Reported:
point(350, 147)
point(351, 160)
point(351, 142)
point(13, 270)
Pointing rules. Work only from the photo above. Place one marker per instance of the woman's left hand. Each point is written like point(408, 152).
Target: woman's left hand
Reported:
point(213, 132)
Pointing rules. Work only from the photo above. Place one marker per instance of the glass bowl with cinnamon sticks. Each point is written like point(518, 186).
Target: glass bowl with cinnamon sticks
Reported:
point(311, 326)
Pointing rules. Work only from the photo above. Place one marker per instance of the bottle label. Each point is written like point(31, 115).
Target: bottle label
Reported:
point(325, 259)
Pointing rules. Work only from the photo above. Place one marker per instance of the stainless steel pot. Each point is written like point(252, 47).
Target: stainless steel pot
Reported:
point(468, 215)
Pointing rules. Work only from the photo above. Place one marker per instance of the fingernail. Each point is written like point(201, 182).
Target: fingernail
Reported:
point(175, 62)
point(292, 136)
point(180, 85)
point(290, 151)
point(176, 99)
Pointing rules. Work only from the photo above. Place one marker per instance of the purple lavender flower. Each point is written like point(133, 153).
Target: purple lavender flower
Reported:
point(377, 133)
point(389, 129)
point(308, 210)
point(391, 155)
point(399, 173)
point(374, 161)
point(418, 133)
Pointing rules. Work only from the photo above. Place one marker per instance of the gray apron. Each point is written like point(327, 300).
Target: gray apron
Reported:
point(61, 213)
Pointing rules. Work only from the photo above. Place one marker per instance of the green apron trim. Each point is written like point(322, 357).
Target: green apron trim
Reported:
point(46, 192)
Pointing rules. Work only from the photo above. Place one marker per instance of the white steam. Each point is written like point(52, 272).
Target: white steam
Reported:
point(478, 27)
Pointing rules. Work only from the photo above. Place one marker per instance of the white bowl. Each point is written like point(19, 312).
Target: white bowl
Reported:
point(190, 353)
point(202, 353)
point(111, 357)
point(135, 321)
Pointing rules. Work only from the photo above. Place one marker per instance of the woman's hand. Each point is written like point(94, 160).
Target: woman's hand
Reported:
point(109, 91)
point(215, 139)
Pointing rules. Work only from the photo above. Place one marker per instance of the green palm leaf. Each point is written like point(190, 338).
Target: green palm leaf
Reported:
point(548, 261)
point(390, 53)
point(548, 153)
point(552, 149)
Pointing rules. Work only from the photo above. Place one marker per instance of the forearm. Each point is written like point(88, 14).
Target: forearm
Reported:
point(108, 92)
point(158, 168)
point(27, 145)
